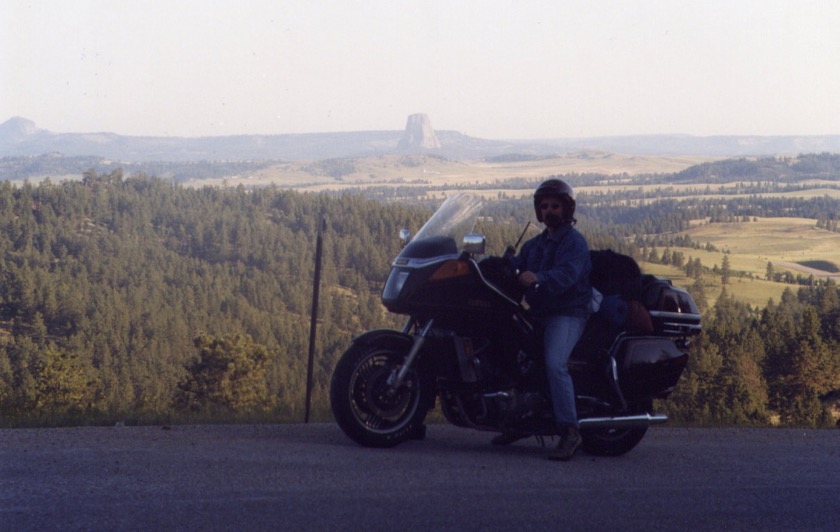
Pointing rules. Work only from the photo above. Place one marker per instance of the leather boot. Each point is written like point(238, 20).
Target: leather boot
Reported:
point(569, 443)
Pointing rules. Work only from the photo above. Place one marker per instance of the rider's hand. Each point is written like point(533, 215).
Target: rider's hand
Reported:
point(527, 278)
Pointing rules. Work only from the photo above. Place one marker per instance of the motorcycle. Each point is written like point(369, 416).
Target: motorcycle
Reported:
point(470, 343)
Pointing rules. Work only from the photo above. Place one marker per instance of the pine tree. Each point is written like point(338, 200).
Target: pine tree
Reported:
point(229, 375)
point(725, 271)
point(744, 386)
point(770, 274)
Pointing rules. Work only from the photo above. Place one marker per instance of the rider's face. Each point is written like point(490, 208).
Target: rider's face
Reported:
point(552, 212)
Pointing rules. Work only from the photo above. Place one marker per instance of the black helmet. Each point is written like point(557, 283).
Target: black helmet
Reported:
point(559, 189)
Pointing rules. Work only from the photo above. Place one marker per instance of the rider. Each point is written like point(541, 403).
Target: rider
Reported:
point(555, 268)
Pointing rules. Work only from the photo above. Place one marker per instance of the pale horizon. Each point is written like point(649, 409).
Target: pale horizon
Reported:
point(492, 70)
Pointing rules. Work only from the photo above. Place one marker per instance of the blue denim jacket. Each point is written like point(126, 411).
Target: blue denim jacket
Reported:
point(562, 266)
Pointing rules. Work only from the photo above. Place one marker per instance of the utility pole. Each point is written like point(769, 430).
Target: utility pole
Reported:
point(313, 321)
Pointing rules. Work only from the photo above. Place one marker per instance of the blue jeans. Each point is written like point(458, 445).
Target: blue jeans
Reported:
point(561, 335)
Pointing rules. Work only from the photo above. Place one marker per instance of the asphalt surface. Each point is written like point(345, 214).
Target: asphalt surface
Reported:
point(311, 477)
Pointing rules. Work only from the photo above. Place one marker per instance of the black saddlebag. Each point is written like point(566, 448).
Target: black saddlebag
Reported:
point(649, 366)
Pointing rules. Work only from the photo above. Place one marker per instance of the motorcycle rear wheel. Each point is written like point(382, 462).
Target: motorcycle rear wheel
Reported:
point(611, 442)
point(367, 409)
point(614, 442)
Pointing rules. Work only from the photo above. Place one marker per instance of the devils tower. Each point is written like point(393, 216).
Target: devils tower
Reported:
point(419, 134)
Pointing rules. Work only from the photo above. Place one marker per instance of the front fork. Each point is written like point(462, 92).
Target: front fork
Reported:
point(395, 380)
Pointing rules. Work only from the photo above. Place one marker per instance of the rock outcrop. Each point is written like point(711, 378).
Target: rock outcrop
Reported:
point(419, 134)
point(16, 129)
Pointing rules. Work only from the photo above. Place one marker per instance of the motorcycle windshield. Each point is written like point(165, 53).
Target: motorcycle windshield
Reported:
point(455, 218)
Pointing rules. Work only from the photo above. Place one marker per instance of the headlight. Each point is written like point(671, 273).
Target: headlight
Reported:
point(395, 282)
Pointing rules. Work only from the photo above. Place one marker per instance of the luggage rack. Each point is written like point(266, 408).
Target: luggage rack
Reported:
point(675, 323)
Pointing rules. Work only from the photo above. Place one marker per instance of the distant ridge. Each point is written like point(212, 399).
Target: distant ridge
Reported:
point(21, 137)
point(17, 128)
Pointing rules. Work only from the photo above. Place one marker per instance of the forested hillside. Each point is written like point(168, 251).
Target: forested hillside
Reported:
point(138, 300)
point(107, 283)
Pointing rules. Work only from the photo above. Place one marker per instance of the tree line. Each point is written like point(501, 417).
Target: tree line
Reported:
point(21, 168)
point(781, 169)
point(136, 299)
point(775, 365)
point(115, 291)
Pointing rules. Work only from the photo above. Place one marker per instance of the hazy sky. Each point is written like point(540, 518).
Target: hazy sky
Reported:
point(490, 68)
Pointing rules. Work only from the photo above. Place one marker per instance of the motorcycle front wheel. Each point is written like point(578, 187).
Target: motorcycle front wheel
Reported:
point(366, 407)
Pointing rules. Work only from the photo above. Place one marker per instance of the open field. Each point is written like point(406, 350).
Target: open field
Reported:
point(433, 171)
point(752, 245)
point(755, 292)
point(776, 239)
point(790, 244)
point(423, 171)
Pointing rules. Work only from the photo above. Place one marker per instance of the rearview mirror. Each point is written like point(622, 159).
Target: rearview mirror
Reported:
point(474, 243)
point(405, 237)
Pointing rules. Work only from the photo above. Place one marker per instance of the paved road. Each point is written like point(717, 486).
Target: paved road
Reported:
point(311, 477)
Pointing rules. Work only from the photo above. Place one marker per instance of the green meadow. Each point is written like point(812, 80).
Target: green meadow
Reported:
point(792, 245)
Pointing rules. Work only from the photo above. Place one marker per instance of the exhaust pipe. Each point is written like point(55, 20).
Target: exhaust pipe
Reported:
point(623, 422)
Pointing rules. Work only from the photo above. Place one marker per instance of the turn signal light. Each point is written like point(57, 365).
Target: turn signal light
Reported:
point(451, 269)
